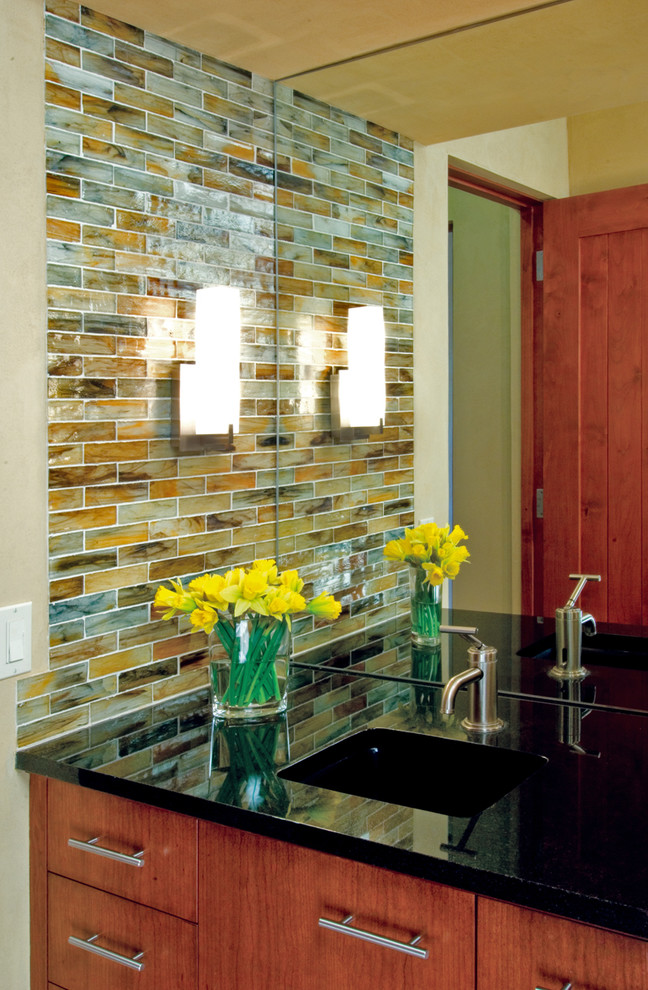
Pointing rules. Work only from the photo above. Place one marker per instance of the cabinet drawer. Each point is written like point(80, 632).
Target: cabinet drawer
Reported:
point(167, 944)
point(521, 948)
point(104, 824)
point(268, 922)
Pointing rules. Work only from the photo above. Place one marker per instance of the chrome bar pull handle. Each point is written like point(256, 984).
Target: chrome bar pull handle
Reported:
point(91, 846)
point(411, 948)
point(89, 944)
point(566, 986)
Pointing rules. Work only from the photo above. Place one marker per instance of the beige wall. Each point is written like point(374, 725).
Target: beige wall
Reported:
point(608, 149)
point(486, 399)
point(532, 158)
point(23, 544)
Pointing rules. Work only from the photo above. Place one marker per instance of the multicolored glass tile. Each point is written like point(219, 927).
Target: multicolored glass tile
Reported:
point(161, 179)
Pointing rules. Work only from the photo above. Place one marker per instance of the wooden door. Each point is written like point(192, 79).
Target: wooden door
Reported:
point(518, 948)
point(595, 401)
point(260, 901)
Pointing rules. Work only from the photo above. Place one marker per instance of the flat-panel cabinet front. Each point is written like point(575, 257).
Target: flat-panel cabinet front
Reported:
point(274, 915)
point(127, 848)
point(525, 950)
point(97, 941)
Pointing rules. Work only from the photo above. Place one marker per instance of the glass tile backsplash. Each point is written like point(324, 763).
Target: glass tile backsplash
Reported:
point(160, 180)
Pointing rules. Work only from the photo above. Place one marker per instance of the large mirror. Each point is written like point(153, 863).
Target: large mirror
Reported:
point(468, 394)
point(358, 215)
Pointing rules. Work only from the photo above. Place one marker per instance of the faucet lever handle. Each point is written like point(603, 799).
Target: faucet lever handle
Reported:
point(466, 632)
point(582, 581)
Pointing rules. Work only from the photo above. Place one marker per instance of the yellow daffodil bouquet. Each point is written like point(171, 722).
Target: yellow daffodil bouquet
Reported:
point(434, 554)
point(250, 611)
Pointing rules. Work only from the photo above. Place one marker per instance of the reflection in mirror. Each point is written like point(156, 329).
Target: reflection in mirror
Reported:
point(485, 349)
point(344, 239)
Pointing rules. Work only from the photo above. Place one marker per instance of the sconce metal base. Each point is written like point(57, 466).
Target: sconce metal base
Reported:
point(196, 443)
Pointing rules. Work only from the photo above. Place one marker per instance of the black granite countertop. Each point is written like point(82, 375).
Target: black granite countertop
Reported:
point(569, 840)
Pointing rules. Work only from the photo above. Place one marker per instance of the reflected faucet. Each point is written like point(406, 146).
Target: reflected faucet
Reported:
point(481, 678)
point(570, 623)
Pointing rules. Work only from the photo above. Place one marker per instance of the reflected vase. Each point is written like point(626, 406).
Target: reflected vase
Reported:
point(244, 763)
point(426, 666)
point(425, 604)
point(249, 661)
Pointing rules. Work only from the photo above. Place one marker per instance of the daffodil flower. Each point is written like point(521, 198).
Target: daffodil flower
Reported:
point(433, 573)
point(248, 593)
point(174, 601)
point(204, 618)
point(267, 567)
point(394, 550)
point(324, 607)
point(208, 588)
point(292, 581)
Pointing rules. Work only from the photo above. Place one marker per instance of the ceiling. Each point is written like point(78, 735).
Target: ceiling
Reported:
point(431, 70)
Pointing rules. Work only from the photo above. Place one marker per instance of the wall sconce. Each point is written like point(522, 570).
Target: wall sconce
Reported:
point(210, 389)
point(358, 393)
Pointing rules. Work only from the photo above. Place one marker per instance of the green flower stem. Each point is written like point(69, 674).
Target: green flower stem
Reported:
point(251, 780)
point(425, 605)
point(253, 677)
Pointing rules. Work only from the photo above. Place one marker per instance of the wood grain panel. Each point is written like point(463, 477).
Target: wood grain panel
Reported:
point(644, 420)
point(560, 409)
point(168, 878)
point(38, 880)
point(595, 417)
point(260, 901)
point(593, 380)
point(167, 943)
point(518, 948)
point(625, 494)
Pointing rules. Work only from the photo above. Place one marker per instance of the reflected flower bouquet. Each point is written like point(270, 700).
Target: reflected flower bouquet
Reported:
point(433, 553)
point(436, 550)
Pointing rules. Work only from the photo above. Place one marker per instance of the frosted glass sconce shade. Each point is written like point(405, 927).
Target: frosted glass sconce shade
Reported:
point(210, 389)
point(358, 393)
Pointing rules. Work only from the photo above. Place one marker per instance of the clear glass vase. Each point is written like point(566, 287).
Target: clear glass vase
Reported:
point(425, 603)
point(249, 660)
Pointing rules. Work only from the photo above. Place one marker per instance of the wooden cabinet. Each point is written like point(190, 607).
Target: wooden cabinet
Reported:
point(525, 950)
point(156, 850)
point(215, 907)
point(113, 893)
point(260, 907)
point(99, 941)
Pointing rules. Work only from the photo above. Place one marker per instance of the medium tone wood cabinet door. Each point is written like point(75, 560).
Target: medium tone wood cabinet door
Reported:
point(260, 902)
point(519, 949)
point(158, 848)
point(595, 401)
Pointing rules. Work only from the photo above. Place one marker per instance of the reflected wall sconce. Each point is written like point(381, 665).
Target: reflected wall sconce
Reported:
point(210, 390)
point(358, 393)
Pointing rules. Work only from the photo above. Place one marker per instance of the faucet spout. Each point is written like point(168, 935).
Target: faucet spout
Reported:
point(455, 684)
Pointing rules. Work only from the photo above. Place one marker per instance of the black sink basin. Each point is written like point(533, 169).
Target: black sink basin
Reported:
point(602, 649)
point(432, 773)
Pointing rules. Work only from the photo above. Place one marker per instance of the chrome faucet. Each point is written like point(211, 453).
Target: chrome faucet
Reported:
point(481, 678)
point(570, 623)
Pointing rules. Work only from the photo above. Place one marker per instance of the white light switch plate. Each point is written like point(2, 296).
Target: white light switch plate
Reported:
point(15, 639)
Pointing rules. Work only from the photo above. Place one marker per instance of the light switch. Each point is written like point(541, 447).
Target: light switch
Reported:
point(15, 639)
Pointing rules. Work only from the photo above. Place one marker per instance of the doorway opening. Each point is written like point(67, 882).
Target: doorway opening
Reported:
point(493, 410)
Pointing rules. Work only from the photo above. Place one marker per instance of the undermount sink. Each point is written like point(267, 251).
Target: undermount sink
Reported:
point(431, 773)
point(602, 649)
